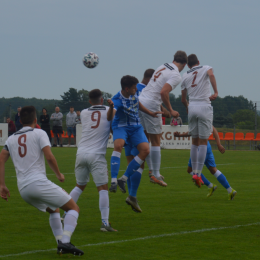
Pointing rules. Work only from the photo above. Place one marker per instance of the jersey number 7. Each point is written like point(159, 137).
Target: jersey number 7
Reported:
point(192, 84)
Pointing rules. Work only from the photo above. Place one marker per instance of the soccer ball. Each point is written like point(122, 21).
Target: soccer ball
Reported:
point(90, 60)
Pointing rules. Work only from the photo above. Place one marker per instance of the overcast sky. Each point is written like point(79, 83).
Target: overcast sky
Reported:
point(43, 42)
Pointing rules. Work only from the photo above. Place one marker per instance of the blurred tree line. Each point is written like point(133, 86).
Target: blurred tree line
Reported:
point(227, 111)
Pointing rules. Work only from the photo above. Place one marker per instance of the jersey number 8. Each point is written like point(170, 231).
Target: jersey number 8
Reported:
point(22, 144)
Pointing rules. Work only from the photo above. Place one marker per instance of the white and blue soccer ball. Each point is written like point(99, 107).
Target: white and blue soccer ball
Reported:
point(90, 60)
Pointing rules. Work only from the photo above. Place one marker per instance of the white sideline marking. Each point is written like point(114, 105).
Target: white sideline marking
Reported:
point(124, 170)
point(139, 238)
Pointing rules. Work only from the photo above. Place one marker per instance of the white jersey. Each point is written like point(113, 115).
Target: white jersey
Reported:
point(25, 148)
point(166, 73)
point(95, 130)
point(197, 83)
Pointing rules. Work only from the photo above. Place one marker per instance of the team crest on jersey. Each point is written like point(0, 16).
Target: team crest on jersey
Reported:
point(133, 98)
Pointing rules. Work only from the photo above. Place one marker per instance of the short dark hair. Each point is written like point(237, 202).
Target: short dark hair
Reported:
point(192, 60)
point(44, 108)
point(180, 57)
point(7, 117)
point(71, 106)
point(128, 81)
point(95, 95)
point(27, 115)
point(148, 73)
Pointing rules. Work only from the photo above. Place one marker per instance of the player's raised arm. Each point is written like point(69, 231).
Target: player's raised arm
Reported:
point(148, 112)
point(52, 163)
point(213, 83)
point(111, 112)
point(215, 134)
point(167, 88)
point(4, 155)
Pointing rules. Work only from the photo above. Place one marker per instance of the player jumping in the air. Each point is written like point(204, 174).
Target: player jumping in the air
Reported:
point(164, 80)
point(196, 82)
point(211, 165)
point(127, 128)
point(96, 123)
point(27, 148)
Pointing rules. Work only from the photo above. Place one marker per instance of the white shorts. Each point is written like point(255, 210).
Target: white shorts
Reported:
point(96, 164)
point(200, 119)
point(43, 194)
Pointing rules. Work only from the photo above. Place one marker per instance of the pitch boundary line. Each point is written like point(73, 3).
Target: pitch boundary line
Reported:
point(124, 170)
point(139, 238)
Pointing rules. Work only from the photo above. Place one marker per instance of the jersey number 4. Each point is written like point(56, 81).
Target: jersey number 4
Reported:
point(96, 119)
point(195, 76)
point(22, 144)
point(158, 74)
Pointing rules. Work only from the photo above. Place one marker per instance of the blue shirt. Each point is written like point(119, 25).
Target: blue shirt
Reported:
point(140, 87)
point(126, 110)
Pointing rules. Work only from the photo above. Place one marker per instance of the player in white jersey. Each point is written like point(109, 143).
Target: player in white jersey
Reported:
point(164, 80)
point(196, 83)
point(27, 148)
point(96, 123)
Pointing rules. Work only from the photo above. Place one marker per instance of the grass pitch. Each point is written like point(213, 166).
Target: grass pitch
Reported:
point(178, 222)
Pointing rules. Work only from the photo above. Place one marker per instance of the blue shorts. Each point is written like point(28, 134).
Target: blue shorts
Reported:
point(130, 150)
point(133, 135)
point(210, 160)
point(71, 130)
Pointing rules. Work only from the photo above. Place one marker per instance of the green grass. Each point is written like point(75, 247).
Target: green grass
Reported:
point(178, 207)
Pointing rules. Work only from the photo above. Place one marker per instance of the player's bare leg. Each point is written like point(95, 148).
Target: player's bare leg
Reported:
point(115, 163)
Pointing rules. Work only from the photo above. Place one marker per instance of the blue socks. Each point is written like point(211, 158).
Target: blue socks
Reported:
point(115, 165)
point(222, 179)
point(134, 182)
point(206, 182)
point(133, 166)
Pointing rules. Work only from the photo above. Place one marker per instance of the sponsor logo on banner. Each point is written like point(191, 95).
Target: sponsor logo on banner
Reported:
point(168, 141)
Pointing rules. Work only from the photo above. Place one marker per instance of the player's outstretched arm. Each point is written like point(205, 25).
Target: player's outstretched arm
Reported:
point(111, 111)
point(178, 134)
point(214, 84)
point(184, 98)
point(4, 192)
point(166, 113)
point(215, 134)
point(148, 112)
point(167, 88)
point(52, 163)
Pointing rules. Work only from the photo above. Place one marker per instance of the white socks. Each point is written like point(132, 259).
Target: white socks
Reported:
point(75, 193)
point(56, 225)
point(156, 160)
point(201, 158)
point(70, 223)
point(194, 158)
point(104, 206)
point(148, 160)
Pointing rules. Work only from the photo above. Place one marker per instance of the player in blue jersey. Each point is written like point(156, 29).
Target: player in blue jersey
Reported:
point(211, 165)
point(127, 128)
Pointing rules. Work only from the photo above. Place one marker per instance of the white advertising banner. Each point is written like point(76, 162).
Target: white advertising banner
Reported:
point(3, 133)
point(168, 141)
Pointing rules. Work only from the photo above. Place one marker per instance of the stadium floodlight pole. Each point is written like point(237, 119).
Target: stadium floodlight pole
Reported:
point(255, 123)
